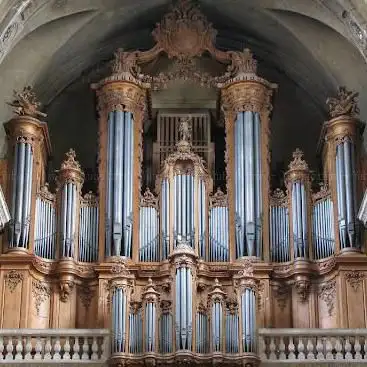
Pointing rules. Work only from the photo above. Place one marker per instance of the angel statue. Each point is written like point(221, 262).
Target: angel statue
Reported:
point(185, 128)
point(25, 103)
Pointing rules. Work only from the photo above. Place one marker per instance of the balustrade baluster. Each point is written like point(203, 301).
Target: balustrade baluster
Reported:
point(320, 348)
point(48, 348)
point(9, 348)
point(67, 349)
point(301, 349)
point(94, 356)
point(85, 355)
point(28, 349)
point(38, 349)
point(76, 349)
point(19, 349)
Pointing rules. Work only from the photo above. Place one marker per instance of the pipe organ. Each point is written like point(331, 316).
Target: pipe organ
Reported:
point(182, 271)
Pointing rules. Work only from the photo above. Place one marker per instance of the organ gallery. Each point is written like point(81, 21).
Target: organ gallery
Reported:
point(180, 264)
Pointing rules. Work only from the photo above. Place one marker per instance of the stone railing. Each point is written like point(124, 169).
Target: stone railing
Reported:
point(50, 346)
point(306, 346)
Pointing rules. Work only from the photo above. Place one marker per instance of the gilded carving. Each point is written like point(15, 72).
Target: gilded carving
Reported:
point(327, 292)
point(323, 193)
point(12, 279)
point(219, 199)
point(355, 279)
point(278, 198)
point(344, 104)
point(148, 199)
point(25, 103)
point(41, 292)
point(70, 169)
point(298, 163)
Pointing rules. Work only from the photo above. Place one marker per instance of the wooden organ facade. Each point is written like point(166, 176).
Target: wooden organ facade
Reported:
point(183, 271)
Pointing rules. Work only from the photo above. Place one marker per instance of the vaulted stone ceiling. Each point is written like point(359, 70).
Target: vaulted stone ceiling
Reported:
point(307, 47)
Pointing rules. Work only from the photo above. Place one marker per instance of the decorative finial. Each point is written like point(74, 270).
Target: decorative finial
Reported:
point(25, 103)
point(344, 104)
point(70, 162)
point(185, 129)
point(298, 162)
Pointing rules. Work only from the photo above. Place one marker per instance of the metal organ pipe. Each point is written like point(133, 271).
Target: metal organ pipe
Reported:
point(248, 204)
point(183, 308)
point(279, 233)
point(165, 332)
point(119, 313)
point(21, 194)
point(218, 234)
point(248, 315)
point(232, 329)
point(202, 332)
point(119, 193)
point(346, 195)
point(323, 228)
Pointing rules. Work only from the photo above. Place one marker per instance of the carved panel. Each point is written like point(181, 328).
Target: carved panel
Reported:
point(12, 279)
point(327, 293)
point(40, 292)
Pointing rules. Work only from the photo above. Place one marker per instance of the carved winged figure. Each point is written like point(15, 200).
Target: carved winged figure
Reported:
point(345, 103)
point(25, 103)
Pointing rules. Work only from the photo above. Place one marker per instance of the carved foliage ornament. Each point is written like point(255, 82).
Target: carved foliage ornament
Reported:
point(279, 198)
point(219, 199)
point(86, 295)
point(25, 103)
point(281, 293)
point(41, 292)
point(344, 104)
point(303, 289)
point(12, 279)
point(327, 292)
point(148, 199)
point(355, 279)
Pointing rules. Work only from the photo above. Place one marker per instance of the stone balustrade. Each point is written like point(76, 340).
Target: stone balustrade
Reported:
point(50, 346)
point(305, 346)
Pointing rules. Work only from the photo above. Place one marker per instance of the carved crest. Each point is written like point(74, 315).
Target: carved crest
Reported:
point(25, 103)
point(323, 193)
point(45, 193)
point(184, 32)
point(344, 104)
point(41, 292)
point(90, 199)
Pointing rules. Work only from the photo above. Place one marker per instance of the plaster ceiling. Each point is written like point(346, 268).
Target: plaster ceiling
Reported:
point(62, 46)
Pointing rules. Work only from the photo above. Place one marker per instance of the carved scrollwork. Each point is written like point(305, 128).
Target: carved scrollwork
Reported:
point(344, 104)
point(355, 279)
point(327, 292)
point(12, 279)
point(41, 292)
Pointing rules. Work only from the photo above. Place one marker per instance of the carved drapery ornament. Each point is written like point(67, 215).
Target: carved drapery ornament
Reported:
point(344, 104)
point(355, 279)
point(327, 292)
point(25, 103)
point(281, 294)
point(12, 279)
point(86, 295)
point(41, 292)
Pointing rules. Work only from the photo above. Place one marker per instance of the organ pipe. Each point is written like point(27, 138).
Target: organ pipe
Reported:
point(28, 144)
point(88, 229)
point(298, 183)
point(70, 180)
point(246, 104)
point(136, 333)
point(119, 318)
point(121, 106)
point(279, 227)
point(202, 330)
point(151, 299)
point(45, 225)
point(184, 186)
point(165, 328)
point(218, 228)
point(232, 328)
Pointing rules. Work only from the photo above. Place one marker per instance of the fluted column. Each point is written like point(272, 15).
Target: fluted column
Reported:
point(151, 298)
point(121, 104)
point(29, 148)
point(342, 152)
point(217, 318)
point(298, 184)
point(246, 103)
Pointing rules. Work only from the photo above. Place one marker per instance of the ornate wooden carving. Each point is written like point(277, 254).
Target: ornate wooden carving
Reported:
point(12, 279)
point(41, 292)
point(344, 104)
point(355, 279)
point(327, 292)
